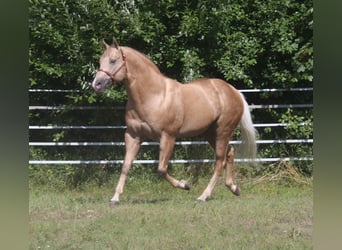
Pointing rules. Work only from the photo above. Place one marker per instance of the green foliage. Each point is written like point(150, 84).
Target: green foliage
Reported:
point(256, 44)
point(294, 126)
point(299, 126)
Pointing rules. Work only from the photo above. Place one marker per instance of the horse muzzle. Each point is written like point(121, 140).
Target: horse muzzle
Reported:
point(100, 85)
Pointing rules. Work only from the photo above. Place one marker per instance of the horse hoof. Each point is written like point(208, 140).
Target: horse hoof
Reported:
point(198, 200)
point(202, 199)
point(237, 191)
point(184, 184)
point(113, 203)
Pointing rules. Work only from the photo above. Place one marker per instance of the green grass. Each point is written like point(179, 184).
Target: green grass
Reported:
point(153, 215)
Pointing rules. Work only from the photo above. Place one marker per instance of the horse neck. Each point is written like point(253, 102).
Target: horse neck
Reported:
point(143, 77)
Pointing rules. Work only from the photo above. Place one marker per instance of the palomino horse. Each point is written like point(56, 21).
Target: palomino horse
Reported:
point(163, 109)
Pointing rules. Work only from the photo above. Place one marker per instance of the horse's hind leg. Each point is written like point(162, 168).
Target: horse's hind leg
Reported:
point(229, 176)
point(220, 162)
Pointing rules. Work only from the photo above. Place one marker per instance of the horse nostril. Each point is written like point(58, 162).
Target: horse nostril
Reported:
point(96, 85)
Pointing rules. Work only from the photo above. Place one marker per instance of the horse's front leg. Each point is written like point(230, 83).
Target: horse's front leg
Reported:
point(132, 146)
point(167, 143)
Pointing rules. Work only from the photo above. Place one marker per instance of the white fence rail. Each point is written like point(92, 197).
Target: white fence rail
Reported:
point(124, 127)
point(183, 143)
point(241, 90)
point(71, 162)
point(63, 107)
point(178, 143)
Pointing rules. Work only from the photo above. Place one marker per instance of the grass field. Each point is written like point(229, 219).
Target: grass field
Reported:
point(153, 215)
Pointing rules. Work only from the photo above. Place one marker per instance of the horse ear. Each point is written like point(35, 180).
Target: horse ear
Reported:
point(115, 43)
point(105, 45)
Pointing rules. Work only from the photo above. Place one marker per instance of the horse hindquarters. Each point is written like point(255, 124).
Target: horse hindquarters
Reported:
point(232, 110)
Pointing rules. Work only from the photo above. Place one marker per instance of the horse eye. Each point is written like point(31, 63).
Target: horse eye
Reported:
point(112, 61)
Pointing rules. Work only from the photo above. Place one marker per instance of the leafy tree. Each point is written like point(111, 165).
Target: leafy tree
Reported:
point(250, 43)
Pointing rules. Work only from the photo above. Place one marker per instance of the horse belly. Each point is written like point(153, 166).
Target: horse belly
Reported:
point(199, 115)
point(193, 128)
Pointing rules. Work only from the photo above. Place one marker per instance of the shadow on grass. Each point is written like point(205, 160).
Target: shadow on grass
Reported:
point(148, 201)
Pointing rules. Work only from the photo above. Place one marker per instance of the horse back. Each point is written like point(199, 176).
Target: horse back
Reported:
point(215, 93)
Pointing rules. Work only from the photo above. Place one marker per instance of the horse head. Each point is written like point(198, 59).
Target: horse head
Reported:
point(112, 67)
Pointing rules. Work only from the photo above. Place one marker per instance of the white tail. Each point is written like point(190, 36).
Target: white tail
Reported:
point(248, 133)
